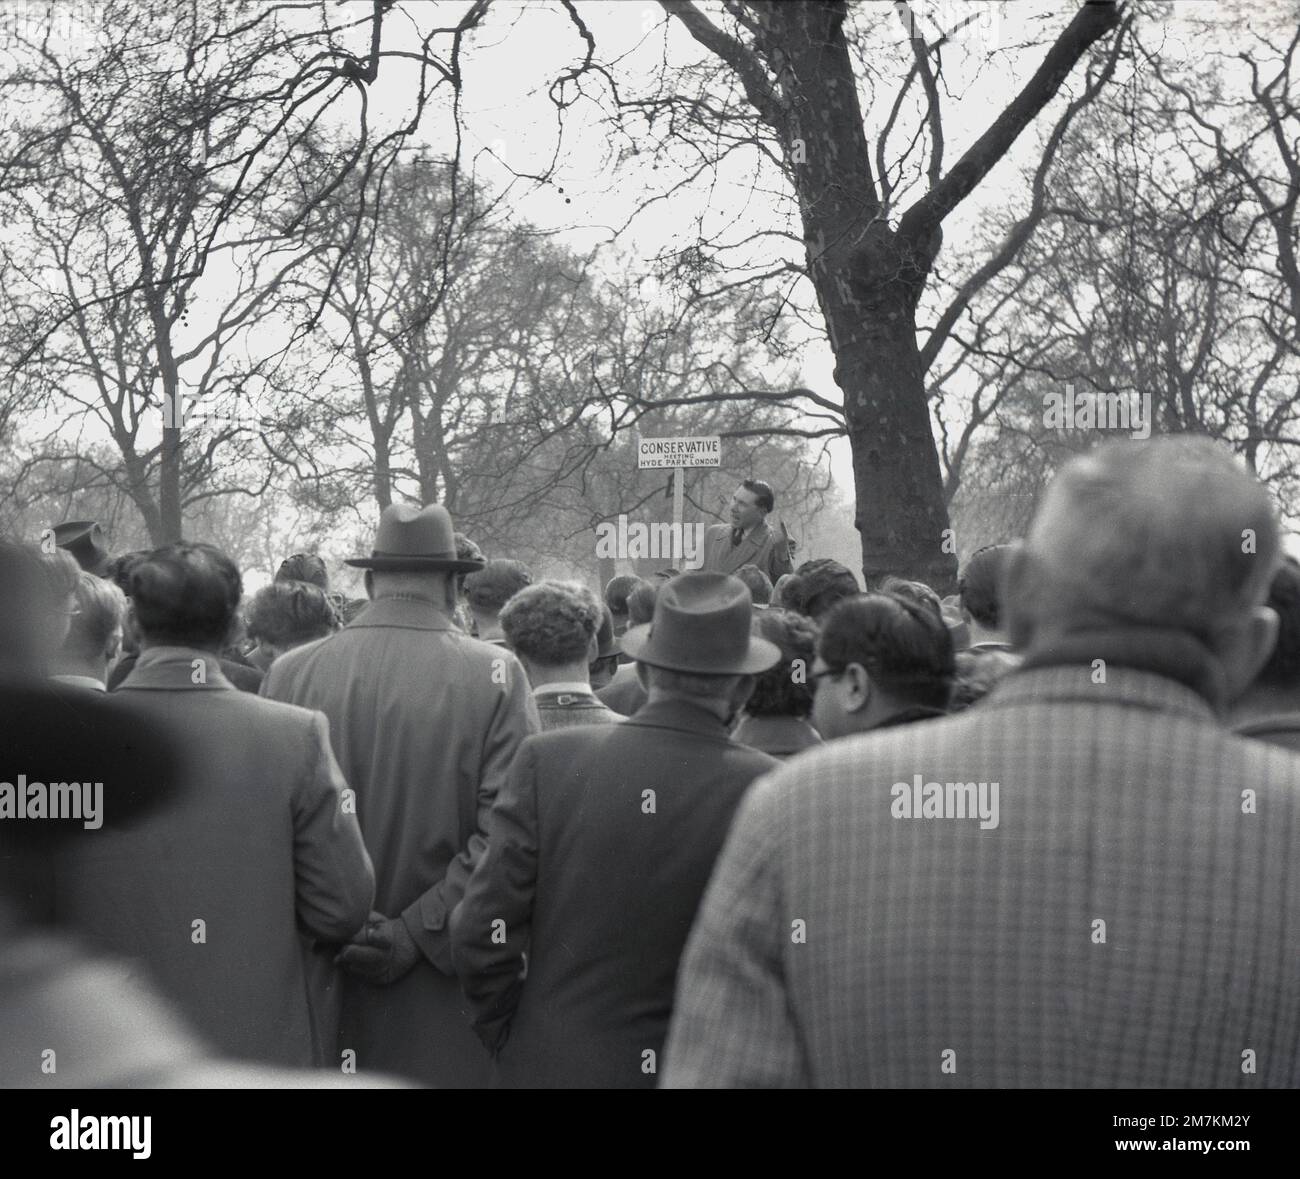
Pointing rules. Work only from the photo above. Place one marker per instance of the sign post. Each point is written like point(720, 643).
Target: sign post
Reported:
point(676, 454)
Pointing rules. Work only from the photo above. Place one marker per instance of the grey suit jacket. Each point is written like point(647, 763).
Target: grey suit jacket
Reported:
point(1132, 921)
point(209, 893)
point(761, 546)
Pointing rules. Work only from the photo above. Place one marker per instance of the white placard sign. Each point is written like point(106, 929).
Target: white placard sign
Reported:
point(705, 451)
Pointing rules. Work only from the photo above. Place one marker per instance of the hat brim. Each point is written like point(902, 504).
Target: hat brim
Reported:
point(415, 564)
point(760, 656)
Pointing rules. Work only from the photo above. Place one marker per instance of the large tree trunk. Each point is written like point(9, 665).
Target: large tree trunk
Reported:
point(799, 78)
point(169, 487)
point(868, 281)
point(900, 509)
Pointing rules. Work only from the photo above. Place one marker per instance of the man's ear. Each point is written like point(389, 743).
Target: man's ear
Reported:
point(1246, 647)
point(593, 650)
point(369, 582)
point(1017, 591)
point(857, 688)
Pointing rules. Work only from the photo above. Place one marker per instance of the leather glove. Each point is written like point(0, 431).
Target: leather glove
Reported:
point(382, 952)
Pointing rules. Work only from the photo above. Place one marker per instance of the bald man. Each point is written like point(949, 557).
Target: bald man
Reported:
point(1086, 881)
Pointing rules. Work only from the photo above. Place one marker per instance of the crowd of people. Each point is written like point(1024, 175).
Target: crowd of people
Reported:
point(702, 829)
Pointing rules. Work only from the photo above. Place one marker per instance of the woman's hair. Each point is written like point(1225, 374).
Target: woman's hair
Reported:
point(784, 690)
point(817, 585)
point(304, 567)
point(289, 613)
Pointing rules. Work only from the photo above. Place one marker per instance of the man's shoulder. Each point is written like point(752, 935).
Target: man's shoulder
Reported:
point(476, 650)
point(248, 708)
point(1267, 750)
point(291, 662)
point(1274, 724)
point(563, 746)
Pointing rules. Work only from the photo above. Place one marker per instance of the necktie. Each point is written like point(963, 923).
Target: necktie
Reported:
point(737, 535)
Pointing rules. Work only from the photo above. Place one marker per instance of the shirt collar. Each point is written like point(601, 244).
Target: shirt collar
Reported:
point(1165, 652)
point(681, 714)
point(80, 681)
point(175, 667)
point(1077, 684)
point(574, 688)
point(411, 613)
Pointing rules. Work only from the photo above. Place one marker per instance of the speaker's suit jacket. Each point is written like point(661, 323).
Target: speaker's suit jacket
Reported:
point(760, 546)
point(1132, 921)
point(599, 849)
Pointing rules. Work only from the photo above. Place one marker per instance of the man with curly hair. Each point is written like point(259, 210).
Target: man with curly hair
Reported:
point(553, 627)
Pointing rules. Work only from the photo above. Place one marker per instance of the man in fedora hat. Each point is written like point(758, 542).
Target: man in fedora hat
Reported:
point(84, 539)
point(424, 721)
point(599, 848)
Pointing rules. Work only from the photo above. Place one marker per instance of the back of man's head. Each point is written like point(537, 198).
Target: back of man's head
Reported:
point(552, 623)
point(1172, 532)
point(730, 691)
point(495, 584)
point(979, 585)
point(186, 595)
point(904, 647)
point(97, 627)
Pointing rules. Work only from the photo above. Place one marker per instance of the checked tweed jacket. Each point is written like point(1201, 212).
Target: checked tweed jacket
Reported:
point(937, 954)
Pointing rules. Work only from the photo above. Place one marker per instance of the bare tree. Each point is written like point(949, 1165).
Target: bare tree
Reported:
point(158, 163)
point(789, 83)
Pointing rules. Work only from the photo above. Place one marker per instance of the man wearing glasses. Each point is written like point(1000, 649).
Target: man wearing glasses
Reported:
point(881, 661)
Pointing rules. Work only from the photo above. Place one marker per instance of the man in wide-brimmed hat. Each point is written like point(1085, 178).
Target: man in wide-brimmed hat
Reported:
point(599, 848)
point(425, 721)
